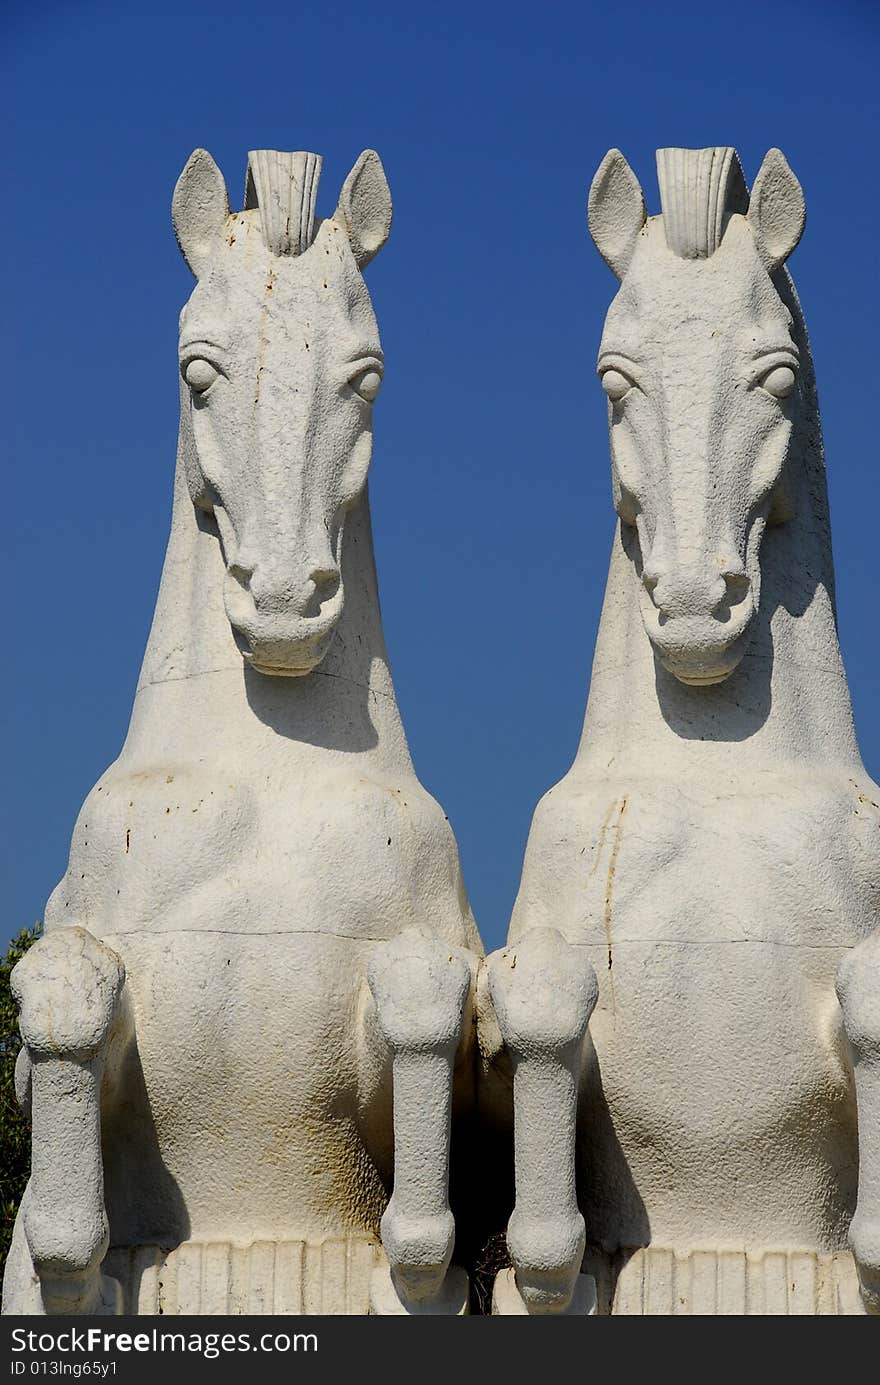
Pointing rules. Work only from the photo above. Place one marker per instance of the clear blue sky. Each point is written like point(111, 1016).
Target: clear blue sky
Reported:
point(490, 476)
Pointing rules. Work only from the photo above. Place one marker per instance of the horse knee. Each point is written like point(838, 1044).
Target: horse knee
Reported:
point(67, 987)
point(421, 988)
point(858, 989)
point(544, 991)
point(22, 1081)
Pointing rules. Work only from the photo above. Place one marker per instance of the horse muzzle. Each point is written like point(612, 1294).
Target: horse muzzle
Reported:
point(698, 620)
point(699, 652)
point(279, 639)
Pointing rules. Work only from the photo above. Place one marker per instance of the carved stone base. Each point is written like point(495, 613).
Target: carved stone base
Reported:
point(387, 1301)
point(336, 1277)
point(101, 1298)
point(658, 1281)
point(507, 1301)
point(329, 1277)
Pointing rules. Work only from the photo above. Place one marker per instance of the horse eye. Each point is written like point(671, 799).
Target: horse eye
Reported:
point(367, 384)
point(779, 381)
point(615, 384)
point(199, 374)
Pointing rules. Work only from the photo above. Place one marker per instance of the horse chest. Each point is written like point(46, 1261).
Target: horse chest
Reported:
point(246, 1060)
point(715, 924)
point(185, 849)
point(781, 864)
point(715, 918)
point(721, 921)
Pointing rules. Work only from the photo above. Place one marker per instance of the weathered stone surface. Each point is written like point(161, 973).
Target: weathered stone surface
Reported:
point(712, 851)
point(858, 987)
point(544, 992)
point(261, 837)
point(255, 1008)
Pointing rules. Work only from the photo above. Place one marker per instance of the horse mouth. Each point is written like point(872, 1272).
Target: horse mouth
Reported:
point(699, 650)
point(700, 662)
point(286, 656)
point(697, 680)
point(280, 670)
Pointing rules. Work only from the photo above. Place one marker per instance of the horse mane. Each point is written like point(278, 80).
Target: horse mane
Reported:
point(284, 187)
point(811, 522)
point(700, 190)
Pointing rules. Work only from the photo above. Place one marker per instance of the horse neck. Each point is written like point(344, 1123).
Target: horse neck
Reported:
point(197, 701)
point(786, 708)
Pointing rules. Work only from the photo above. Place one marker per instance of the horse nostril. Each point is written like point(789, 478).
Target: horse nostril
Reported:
point(695, 591)
point(650, 581)
point(277, 590)
point(662, 593)
point(326, 582)
point(736, 587)
point(730, 591)
point(242, 574)
point(321, 586)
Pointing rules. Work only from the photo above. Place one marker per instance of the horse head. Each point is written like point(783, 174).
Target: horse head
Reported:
point(701, 369)
point(280, 362)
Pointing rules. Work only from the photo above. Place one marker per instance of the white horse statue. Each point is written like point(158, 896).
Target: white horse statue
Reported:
point(263, 930)
point(709, 862)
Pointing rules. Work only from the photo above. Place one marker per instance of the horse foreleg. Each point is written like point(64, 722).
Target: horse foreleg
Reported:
point(420, 988)
point(67, 987)
point(858, 988)
point(543, 991)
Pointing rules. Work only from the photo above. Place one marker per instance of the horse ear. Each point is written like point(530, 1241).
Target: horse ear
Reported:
point(199, 208)
point(365, 207)
point(616, 211)
point(777, 211)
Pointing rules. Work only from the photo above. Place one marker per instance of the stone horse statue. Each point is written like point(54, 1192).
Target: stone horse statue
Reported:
point(708, 866)
point(263, 933)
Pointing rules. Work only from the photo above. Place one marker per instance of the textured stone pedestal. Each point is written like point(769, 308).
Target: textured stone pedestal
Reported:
point(657, 1281)
point(272, 1278)
point(507, 1301)
point(386, 1301)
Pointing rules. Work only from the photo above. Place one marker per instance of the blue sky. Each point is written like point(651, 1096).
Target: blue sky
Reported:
point(490, 476)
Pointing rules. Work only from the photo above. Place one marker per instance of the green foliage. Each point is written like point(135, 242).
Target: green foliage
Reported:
point(15, 1135)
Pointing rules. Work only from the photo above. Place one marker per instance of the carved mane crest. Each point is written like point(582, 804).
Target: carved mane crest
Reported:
point(284, 187)
point(700, 189)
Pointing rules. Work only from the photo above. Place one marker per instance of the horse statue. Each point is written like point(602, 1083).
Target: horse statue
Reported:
point(708, 865)
point(262, 938)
